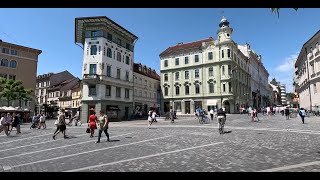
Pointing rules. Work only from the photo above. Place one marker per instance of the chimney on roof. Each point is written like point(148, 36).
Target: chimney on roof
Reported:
point(210, 37)
point(180, 43)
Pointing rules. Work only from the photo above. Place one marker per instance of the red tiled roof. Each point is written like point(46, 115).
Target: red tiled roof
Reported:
point(187, 46)
point(152, 73)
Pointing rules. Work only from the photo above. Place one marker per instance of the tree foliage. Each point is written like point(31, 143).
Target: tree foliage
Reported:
point(276, 10)
point(13, 90)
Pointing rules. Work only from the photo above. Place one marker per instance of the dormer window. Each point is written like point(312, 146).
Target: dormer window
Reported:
point(228, 35)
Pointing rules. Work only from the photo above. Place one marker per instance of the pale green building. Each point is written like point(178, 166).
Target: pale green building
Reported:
point(206, 73)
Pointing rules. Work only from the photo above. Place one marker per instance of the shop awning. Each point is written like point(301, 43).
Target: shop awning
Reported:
point(212, 102)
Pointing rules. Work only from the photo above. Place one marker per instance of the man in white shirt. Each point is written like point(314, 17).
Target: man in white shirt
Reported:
point(42, 121)
point(211, 114)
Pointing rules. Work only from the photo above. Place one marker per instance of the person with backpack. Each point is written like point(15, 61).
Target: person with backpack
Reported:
point(302, 114)
point(104, 125)
point(16, 123)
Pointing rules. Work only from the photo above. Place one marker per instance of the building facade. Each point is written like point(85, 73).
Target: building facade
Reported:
point(65, 99)
point(283, 94)
point(146, 88)
point(76, 95)
point(207, 73)
point(43, 83)
point(19, 63)
point(260, 91)
point(108, 51)
point(307, 74)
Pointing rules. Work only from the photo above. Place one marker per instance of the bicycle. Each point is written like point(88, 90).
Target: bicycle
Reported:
point(221, 122)
point(203, 119)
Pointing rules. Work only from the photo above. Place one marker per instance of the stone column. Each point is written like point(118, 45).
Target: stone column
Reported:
point(183, 108)
point(191, 107)
point(84, 113)
point(98, 109)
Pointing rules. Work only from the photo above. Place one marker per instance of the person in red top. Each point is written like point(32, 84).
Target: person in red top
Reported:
point(92, 123)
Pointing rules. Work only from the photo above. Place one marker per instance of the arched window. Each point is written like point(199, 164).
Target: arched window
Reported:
point(197, 89)
point(13, 64)
point(177, 90)
point(187, 90)
point(211, 88)
point(166, 91)
point(4, 62)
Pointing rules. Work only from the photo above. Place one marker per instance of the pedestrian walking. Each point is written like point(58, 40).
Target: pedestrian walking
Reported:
point(171, 116)
point(253, 114)
point(92, 123)
point(154, 115)
point(42, 122)
point(15, 123)
point(61, 126)
point(287, 112)
point(3, 124)
point(103, 126)
point(211, 114)
point(149, 119)
point(221, 117)
point(302, 114)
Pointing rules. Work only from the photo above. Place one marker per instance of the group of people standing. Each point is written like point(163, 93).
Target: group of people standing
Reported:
point(10, 120)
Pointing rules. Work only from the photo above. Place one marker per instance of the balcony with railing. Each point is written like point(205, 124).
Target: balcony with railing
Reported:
point(91, 78)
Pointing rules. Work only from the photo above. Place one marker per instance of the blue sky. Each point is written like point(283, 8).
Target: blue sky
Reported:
point(51, 30)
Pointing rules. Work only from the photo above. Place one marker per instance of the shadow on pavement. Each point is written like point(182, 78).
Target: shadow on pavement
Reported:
point(226, 132)
point(115, 140)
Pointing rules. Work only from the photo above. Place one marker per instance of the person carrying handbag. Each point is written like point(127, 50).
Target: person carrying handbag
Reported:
point(61, 126)
point(104, 125)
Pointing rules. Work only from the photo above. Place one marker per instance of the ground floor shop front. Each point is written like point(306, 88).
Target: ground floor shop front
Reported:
point(116, 110)
point(189, 106)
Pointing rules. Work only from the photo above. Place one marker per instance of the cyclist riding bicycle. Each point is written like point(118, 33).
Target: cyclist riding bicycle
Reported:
point(221, 116)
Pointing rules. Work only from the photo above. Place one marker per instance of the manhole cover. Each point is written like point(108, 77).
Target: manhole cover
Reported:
point(128, 137)
point(260, 133)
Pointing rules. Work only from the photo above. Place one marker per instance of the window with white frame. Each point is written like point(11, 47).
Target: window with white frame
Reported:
point(196, 58)
point(197, 89)
point(165, 63)
point(211, 71)
point(196, 73)
point(126, 93)
point(177, 75)
point(210, 57)
point(93, 50)
point(177, 61)
point(177, 90)
point(108, 70)
point(211, 88)
point(186, 60)
point(186, 75)
point(118, 91)
point(165, 77)
point(92, 91)
point(108, 90)
point(187, 90)
point(166, 91)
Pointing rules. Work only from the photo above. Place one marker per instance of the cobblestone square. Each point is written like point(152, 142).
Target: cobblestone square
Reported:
point(272, 144)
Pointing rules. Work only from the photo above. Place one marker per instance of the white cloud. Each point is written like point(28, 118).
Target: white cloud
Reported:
point(288, 64)
point(284, 72)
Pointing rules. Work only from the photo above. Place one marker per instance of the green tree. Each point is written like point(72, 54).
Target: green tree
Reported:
point(14, 90)
point(8, 90)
